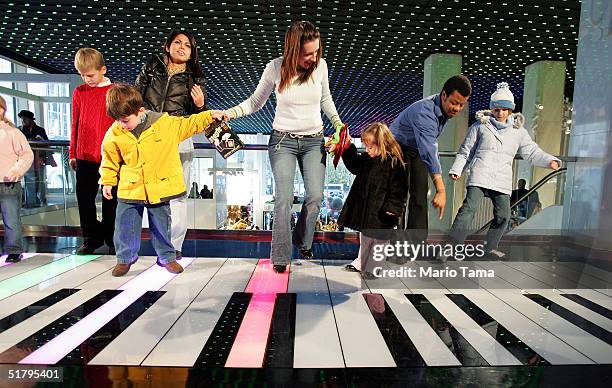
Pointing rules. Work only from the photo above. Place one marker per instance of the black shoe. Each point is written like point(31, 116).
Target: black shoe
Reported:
point(351, 268)
point(306, 254)
point(279, 268)
point(179, 255)
point(87, 249)
point(368, 275)
point(13, 258)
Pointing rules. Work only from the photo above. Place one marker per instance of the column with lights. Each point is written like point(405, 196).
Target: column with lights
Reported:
point(543, 104)
point(437, 69)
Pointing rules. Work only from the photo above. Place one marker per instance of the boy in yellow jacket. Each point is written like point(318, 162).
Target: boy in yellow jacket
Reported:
point(140, 154)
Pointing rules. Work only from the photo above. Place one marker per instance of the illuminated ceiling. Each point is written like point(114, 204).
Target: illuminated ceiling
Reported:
point(375, 50)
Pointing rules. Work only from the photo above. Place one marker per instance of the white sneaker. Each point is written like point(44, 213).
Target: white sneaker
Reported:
point(496, 254)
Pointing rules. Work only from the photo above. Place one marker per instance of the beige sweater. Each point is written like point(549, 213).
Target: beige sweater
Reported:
point(15, 153)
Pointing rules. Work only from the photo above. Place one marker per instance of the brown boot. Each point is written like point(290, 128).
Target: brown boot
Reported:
point(174, 267)
point(121, 269)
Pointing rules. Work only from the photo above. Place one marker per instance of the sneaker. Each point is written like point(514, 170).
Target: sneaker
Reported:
point(306, 254)
point(179, 255)
point(279, 268)
point(13, 258)
point(173, 267)
point(121, 269)
point(351, 268)
point(495, 254)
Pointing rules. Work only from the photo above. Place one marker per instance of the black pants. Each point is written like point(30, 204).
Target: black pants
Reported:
point(416, 221)
point(95, 233)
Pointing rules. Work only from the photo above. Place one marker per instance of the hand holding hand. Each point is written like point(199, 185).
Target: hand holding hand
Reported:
point(107, 192)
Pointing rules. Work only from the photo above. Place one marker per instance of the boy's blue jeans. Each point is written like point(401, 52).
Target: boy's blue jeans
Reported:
point(10, 204)
point(285, 152)
point(462, 226)
point(128, 225)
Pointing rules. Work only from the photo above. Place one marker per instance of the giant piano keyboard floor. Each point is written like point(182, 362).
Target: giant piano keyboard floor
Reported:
point(224, 315)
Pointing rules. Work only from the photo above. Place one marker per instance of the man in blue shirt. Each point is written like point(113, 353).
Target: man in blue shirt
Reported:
point(417, 130)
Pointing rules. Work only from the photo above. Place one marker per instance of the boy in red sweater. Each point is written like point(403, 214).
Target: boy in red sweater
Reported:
point(89, 125)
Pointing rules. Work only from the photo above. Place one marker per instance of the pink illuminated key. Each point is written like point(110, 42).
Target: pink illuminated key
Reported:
point(249, 346)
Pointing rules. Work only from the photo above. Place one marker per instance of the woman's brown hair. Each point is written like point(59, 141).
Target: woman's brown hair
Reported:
point(381, 135)
point(295, 37)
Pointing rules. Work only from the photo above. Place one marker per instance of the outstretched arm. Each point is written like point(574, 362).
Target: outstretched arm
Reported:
point(259, 97)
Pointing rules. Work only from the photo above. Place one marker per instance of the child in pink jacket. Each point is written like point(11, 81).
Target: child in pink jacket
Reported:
point(15, 159)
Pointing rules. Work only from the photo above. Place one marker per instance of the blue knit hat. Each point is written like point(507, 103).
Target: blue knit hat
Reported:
point(502, 98)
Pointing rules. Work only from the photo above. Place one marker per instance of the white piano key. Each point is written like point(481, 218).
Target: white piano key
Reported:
point(588, 269)
point(362, 343)
point(584, 280)
point(491, 350)
point(70, 279)
point(317, 344)
point(578, 309)
point(182, 345)
point(554, 350)
point(589, 345)
point(133, 345)
point(547, 276)
point(23, 330)
point(429, 345)
point(486, 345)
point(26, 265)
point(592, 295)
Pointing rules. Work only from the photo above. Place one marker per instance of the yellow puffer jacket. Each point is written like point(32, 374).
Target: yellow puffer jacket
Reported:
point(149, 168)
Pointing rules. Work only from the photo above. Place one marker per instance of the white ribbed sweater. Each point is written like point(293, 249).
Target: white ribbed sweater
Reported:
point(298, 107)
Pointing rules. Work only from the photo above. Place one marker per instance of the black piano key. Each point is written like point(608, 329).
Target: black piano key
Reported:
point(458, 345)
point(55, 328)
point(590, 305)
point(514, 345)
point(279, 350)
point(86, 351)
point(217, 348)
point(401, 347)
point(29, 311)
point(572, 317)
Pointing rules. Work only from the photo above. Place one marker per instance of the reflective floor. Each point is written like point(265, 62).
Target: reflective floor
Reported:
point(233, 321)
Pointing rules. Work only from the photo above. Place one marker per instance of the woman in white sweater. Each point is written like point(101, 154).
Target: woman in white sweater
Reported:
point(300, 81)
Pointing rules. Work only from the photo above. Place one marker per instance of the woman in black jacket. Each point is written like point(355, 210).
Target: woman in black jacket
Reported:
point(174, 83)
point(378, 194)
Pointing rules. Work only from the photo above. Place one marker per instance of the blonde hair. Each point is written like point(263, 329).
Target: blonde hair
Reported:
point(88, 59)
point(379, 134)
point(295, 37)
point(3, 117)
point(123, 100)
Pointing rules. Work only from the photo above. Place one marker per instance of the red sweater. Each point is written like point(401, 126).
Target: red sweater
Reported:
point(89, 122)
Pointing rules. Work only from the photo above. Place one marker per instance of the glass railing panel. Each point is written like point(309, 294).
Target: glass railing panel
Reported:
point(49, 189)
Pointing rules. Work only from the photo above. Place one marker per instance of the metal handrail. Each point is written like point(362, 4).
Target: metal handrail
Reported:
point(253, 147)
point(532, 190)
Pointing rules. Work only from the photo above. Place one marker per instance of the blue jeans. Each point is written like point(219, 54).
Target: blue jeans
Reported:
point(128, 225)
point(501, 215)
point(309, 153)
point(10, 204)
